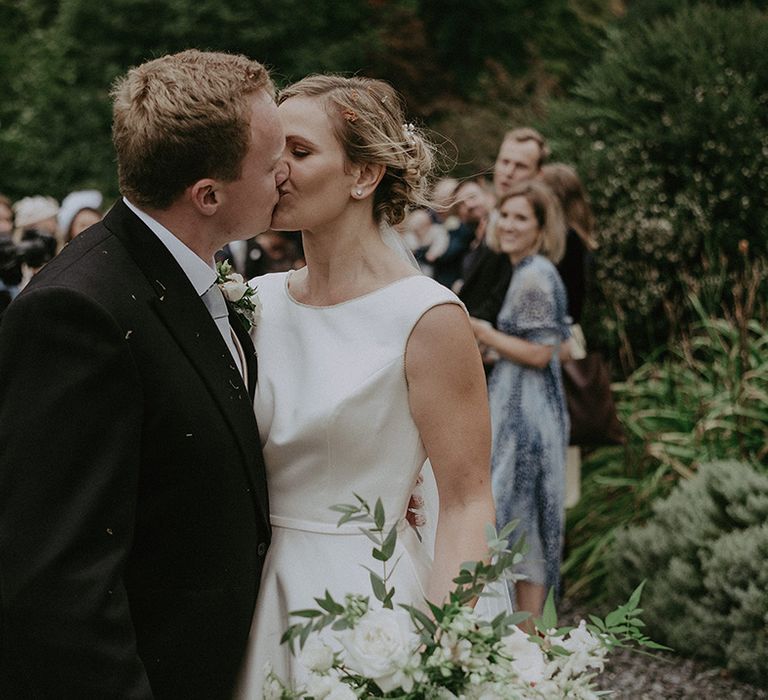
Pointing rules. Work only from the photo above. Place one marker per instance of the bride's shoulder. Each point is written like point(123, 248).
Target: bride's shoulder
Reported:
point(423, 300)
point(429, 291)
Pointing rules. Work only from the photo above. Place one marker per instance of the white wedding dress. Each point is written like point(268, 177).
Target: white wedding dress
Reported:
point(333, 413)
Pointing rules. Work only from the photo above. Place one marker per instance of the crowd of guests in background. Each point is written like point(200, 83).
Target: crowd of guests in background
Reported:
point(35, 228)
point(516, 250)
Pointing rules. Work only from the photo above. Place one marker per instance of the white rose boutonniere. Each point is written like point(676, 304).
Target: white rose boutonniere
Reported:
point(240, 294)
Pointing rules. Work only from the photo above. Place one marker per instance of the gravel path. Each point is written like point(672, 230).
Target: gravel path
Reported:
point(665, 676)
point(638, 677)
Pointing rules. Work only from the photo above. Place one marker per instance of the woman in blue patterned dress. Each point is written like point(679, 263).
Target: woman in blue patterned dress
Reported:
point(528, 411)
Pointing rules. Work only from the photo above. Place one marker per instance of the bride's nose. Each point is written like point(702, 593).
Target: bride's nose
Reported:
point(283, 171)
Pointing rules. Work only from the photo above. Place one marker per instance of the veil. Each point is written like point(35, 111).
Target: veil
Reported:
point(392, 239)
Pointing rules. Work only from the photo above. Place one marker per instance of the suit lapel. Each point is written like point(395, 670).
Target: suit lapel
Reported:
point(189, 322)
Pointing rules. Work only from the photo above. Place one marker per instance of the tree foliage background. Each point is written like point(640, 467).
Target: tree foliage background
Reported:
point(654, 102)
point(467, 69)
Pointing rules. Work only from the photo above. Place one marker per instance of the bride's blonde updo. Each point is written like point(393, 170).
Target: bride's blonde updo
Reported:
point(369, 122)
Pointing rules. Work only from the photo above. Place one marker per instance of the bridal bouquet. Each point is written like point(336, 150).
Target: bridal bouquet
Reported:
point(386, 650)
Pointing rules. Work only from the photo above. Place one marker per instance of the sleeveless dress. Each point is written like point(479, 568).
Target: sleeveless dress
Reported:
point(333, 414)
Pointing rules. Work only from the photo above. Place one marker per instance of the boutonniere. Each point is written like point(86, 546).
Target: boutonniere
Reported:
point(243, 297)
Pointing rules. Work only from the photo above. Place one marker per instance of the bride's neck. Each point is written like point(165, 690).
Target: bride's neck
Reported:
point(344, 263)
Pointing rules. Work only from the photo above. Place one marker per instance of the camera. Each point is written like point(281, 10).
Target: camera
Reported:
point(34, 250)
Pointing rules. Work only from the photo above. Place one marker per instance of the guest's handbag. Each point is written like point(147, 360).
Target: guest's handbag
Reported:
point(587, 384)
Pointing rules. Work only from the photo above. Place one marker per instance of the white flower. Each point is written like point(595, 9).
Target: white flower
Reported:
point(528, 658)
point(328, 688)
point(463, 622)
point(271, 688)
point(234, 288)
point(586, 651)
point(458, 651)
point(317, 656)
point(379, 647)
point(444, 694)
point(341, 692)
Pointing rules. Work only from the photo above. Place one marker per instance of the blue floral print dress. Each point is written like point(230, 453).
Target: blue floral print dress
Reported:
point(530, 420)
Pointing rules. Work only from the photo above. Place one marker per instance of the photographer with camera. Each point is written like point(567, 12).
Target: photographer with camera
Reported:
point(35, 240)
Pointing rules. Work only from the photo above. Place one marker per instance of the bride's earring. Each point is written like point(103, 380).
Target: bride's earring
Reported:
point(359, 192)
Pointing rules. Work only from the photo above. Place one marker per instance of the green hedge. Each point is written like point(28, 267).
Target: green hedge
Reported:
point(704, 555)
point(670, 134)
point(704, 399)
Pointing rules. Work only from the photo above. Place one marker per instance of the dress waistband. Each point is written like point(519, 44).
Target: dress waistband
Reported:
point(350, 528)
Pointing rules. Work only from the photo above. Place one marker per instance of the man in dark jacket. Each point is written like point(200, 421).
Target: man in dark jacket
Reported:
point(133, 506)
point(521, 155)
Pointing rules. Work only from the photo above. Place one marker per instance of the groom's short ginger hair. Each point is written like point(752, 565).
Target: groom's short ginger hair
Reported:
point(181, 118)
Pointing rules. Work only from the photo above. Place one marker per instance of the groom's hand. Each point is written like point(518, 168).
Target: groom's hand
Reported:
point(414, 514)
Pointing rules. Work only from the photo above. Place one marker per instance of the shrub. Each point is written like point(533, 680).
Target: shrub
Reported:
point(670, 133)
point(706, 399)
point(705, 557)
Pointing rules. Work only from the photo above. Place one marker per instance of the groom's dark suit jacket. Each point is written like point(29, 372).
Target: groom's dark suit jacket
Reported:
point(133, 503)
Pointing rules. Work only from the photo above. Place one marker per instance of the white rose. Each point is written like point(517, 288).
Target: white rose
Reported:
point(528, 658)
point(234, 289)
point(316, 655)
point(379, 647)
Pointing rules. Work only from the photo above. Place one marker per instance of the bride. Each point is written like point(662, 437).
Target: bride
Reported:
point(366, 368)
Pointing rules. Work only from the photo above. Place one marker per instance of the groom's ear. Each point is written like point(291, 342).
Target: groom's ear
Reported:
point(368, 176)
point(205, 196)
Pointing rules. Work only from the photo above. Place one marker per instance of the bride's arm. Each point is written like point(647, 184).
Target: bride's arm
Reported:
point(449, 403)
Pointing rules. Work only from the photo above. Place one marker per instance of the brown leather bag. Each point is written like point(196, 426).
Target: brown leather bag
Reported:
point(587, 384)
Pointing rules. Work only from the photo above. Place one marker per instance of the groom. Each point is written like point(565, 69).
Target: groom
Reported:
point(133, 505)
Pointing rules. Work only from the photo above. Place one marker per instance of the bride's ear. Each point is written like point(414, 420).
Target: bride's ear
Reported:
point(367, 177)
point(205, 196)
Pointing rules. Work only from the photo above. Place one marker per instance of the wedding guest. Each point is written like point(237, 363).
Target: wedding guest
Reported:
point(79, 210)
point(521, 155)
point(10, 270)
point(271, 251)
point(6, 216)
point(474, 204)
point(443, 199)
point(435, 235)
point(471, 207)
point(425, 238)
point(528, 412)
point(573, 268)
point(36, 235)
point(580, 241)
point(37, 212)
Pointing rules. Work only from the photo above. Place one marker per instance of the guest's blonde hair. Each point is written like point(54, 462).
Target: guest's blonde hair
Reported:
point(369, 122)
point(549, 216)
point(181, 118)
